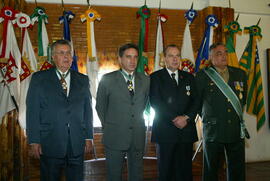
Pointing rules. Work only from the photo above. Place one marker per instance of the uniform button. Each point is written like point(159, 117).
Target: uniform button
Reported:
point(228, 100)
point(132, 103)
point(68, 112)
point(229, 110)
point(130, 127)
point(132, 115)
point(211, 90)
point(229, 121)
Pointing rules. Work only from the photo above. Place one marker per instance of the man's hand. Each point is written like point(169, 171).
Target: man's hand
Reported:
point(180, 121)
point(88, 146)
point(35, 150)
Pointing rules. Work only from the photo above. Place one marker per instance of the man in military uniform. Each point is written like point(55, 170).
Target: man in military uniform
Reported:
point(222, 92)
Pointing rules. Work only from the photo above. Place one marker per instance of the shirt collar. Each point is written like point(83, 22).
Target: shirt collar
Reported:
point(170, 72)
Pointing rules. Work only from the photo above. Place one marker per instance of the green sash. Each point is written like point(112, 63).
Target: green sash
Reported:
point(229, 93)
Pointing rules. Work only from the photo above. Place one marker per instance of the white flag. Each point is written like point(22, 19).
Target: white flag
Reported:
point(187, 49)
point(10, 85)
point(92, 66)
point(159, 44)
point(29, 65)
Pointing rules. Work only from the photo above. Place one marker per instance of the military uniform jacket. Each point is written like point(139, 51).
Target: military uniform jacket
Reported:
point(169, 102)
point(120, 114)
point(220, 121)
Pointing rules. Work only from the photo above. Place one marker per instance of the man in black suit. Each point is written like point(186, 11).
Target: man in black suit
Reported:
point(59, 117)
point(222, 92)
point(173, 97)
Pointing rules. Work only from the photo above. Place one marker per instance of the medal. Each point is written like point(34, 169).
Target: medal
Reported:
point(240, 95)
point(188, 90)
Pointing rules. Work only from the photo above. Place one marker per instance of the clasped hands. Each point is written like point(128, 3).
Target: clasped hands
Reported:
point(180, 121)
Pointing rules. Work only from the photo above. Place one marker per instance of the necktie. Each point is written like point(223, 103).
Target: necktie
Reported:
point(173, 79)
point(63, 83)
point(130, 85)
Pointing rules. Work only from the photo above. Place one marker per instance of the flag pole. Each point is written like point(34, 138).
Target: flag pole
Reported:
point(88, 3)
point(63, 7)
point(159, 6)
point(258, 22)
point(36, 2)
point(236, 19)
point(12, 96)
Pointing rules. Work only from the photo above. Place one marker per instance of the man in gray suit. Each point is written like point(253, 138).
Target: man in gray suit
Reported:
point(121, 99)
point(59, 117)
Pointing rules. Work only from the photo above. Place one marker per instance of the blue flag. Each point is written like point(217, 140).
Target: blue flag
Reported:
point(203, 53)
point(66, 19)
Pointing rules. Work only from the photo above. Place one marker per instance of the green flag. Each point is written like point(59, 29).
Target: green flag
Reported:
point(250, 63)
point(144, 13)
point(232, 28)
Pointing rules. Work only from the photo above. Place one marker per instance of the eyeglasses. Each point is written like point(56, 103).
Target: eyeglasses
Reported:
point(62, 53)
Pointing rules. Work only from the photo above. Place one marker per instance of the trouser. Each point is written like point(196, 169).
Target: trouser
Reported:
point(175, 161)
point(235, 158)
point(115, 161)
point(52, 168)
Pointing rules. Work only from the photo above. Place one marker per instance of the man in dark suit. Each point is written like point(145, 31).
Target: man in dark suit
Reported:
point(222, 93)
point(59, 117)
point(121, 99)
point(173, 97)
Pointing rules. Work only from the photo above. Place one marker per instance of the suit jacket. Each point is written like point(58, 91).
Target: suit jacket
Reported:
point(220, 121)
point(120, 114)
point(52, 116)
point(169, 102)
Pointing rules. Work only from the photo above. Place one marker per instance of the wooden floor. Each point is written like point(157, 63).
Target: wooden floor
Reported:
point(259, 171)
point(95, 171)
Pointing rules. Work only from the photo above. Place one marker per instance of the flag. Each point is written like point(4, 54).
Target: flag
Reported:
point(144, 13)
point(66, 19)
point(28, 64)
point(203, 53)
point(159, 62)
point(9, 63)
point(39, 15)
point(187, 54)
point(232, 29)
point(92, 65)
point(250, 63)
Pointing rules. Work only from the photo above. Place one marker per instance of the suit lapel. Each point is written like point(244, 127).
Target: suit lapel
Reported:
point(137, 84)
point(167, 77)
point(122, 83)
point(72, 83)
point(55, 82)
point(181, 79)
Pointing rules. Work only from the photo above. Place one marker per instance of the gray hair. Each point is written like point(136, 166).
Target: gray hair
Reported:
point(59, 42)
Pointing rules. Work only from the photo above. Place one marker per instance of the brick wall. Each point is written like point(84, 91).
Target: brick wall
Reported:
point(119, 25)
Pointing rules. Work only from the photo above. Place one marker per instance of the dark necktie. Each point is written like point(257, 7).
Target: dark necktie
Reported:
point(130, 85)
point(173, 79)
